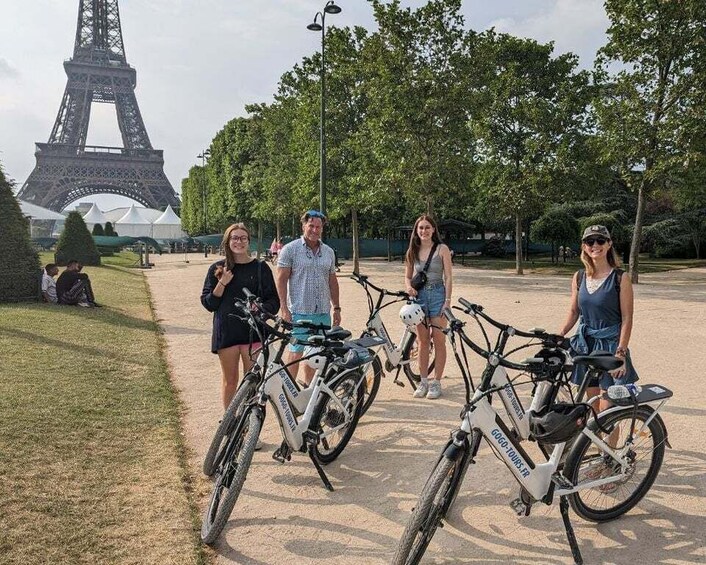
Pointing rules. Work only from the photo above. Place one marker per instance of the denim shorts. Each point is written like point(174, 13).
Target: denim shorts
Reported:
point(303, 333)
point(431, 298)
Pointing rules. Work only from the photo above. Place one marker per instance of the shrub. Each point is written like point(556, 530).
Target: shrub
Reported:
point(109, 230)
point(97, 230)
point(75, 242)
point(20, 275)
point(495, 247)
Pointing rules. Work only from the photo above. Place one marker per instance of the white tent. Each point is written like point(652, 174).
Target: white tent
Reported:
point(94, 216)
point(34, 212)
point(42, 221)
point(134, 224)
point(167, 226)
point(115, 214)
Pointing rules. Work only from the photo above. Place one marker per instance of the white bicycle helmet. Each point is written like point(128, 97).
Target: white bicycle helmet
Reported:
point(411, 314)
point(317, 361)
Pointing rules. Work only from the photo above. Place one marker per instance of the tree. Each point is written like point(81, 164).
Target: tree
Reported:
point(76, 242)
point(650, 87)
point(109, 230)
point(421, 67)
point(531, 126)
point(97, 230)
point(20, 276)
point(556, 227)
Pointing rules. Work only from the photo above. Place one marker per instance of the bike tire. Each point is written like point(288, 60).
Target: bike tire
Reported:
point(329, 422)
point(215, 451)
point(411, 369)
point(371, 383)
point(597, 505)
point(438, 495)
point(230, 476)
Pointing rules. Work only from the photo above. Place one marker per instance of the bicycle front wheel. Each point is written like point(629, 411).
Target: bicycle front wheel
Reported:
point(436, 499)
point(335, 418)
point(586, 462)
point(230, 475)
point(371, 383)
point(412, 369)
point(226, 426)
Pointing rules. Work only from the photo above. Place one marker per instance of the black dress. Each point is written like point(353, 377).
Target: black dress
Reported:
point(229, 330)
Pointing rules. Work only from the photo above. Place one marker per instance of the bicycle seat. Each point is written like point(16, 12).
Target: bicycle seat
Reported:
point(337, 333)
point(599, 360)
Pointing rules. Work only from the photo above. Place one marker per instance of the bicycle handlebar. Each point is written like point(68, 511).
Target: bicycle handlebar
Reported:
point(363, 280)
point(456, 325)
point(552, 340)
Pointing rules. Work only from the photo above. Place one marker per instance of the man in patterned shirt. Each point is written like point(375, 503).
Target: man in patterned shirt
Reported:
point(307, 283)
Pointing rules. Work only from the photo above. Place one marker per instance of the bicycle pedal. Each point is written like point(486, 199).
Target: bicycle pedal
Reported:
point(520, 508)
point(561, 481)
point(282, 453)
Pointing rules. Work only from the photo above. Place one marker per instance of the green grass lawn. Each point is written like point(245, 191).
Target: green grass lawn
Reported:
point(92, 466)
point(543, 265)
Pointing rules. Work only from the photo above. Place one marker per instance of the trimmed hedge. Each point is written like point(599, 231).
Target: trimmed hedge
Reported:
point(76, 242)
point(21, 272)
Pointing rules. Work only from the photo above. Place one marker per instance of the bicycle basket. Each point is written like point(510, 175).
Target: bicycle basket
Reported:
point(559, 422)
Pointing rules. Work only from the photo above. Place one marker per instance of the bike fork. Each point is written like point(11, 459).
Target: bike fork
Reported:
point(575, 551)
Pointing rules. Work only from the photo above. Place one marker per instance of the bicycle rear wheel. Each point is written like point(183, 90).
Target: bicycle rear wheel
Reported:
point(336, 424)
point(436, 499)
point(371, 383)
point(227, 424)
point(586, 462)
point(231, 474)
point(412, 369)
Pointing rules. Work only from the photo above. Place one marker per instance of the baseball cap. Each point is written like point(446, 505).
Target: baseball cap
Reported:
point(596, 230)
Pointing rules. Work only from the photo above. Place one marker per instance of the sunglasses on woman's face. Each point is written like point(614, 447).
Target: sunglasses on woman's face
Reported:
point(593, 240)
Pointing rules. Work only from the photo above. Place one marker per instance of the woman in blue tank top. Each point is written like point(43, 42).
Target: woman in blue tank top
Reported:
point(425, 244)
point(602, 303)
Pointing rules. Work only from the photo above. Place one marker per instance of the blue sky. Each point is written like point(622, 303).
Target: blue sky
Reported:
point(199, 62)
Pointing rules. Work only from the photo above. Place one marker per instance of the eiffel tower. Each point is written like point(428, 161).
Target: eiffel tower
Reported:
point(67, 169)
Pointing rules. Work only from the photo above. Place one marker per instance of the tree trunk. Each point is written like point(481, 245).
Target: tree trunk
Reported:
point(518, 244)
point(278, 231)
point(356, 243)
point(389, 246)
point(637, 234)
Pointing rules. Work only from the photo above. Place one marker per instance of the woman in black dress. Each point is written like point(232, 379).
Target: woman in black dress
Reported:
point(223, 286)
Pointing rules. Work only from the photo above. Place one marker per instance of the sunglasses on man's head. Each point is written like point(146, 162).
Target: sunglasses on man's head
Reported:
point(315, 214)
point(593, 240)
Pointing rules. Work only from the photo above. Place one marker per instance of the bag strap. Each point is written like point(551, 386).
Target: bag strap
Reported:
point(426, 265)
point(259, 278)
point(581, 273)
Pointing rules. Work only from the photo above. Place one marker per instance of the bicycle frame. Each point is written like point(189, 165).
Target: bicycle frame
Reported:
point(289, 401)
point(480, 416)
point(397, 354)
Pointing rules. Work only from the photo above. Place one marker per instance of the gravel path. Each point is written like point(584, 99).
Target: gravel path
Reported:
point(284, 514)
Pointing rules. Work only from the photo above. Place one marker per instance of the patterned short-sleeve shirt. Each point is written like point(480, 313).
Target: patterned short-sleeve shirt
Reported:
point(308, 289)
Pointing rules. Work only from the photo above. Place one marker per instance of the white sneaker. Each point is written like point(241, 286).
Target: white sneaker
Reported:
point(422, 390)
point(434, 389)
point(84, 304)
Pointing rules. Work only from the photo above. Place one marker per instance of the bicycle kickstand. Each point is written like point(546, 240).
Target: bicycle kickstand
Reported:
point(319, 469)
point(397, 377)
point(575, 551)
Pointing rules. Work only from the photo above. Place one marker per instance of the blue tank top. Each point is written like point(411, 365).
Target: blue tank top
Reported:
point(602, 308)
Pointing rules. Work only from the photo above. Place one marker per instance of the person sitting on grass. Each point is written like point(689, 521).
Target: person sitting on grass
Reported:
point(49, 284)
point(74, 288)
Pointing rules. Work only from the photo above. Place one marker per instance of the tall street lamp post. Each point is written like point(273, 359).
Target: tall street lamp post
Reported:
point(204, 155)
point(329, 8)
